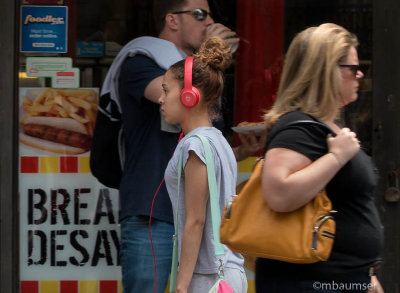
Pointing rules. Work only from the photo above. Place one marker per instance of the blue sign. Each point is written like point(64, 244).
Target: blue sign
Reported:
point(89, 49)
point(44, 29)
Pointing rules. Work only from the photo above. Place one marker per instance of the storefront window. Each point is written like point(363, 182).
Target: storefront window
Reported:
point(355, 16)
point(69, 232)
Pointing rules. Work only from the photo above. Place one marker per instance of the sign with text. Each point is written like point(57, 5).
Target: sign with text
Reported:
point(69, 227)
point(44, 29)
point(59, 69)
point(68, 221)
point(89, 49)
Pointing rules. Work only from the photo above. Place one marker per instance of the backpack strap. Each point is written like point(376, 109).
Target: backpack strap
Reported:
point(215, 211)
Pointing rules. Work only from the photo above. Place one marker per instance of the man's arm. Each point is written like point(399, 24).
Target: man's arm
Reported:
point(153, 90)
point(141, 76)
point(250, 143)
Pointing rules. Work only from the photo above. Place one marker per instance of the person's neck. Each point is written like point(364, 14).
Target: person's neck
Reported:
point(332, 123)
point(196, 120)
point(165, 35)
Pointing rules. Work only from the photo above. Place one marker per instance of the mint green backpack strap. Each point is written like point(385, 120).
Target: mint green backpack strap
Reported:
point(214, 204)
point(214, 198)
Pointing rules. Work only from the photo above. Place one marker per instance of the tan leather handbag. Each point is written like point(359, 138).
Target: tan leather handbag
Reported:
point(251, 227)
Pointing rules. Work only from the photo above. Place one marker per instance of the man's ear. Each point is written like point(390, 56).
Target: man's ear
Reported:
point(171, 21)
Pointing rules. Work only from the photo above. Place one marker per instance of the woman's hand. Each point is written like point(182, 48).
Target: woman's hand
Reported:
point(375, 286)
point(290, 179)
point(344, 145)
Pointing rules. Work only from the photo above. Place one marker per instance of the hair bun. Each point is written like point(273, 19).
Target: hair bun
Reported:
point(214, 52)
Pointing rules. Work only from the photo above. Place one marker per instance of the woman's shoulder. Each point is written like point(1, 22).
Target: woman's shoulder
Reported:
point(287, 119)
point(193, 142)
point(294, 116)
point(217, 142)
point(286, 132)
point(208, 133)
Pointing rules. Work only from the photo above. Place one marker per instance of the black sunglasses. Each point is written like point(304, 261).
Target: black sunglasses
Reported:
point(199, 14)
point(353, 67)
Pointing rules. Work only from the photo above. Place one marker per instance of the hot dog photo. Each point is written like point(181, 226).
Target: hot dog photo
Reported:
point(57, 120)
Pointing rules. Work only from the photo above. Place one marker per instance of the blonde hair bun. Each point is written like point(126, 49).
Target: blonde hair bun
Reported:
point(214, 53)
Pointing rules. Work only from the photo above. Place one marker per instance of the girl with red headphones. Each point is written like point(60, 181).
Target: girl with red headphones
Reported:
point(191, 90)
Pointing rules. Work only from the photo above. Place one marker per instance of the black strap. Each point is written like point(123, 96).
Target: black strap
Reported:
point(305, 122)
point(300, 122)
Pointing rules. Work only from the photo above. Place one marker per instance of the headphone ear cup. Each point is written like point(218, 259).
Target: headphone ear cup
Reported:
point(190, 97)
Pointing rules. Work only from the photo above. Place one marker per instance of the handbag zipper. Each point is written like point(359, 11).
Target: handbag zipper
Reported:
point(228, 210)
point(328, 234)
point(317, 226)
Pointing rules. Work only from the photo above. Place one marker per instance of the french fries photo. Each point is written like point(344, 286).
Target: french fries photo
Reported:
point(64, 118)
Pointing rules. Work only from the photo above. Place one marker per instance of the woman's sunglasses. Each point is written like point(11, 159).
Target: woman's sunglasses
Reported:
point(354, 68)
point(199, 14)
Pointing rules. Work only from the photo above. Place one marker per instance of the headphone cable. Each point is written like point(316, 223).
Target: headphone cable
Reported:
point(152, 205)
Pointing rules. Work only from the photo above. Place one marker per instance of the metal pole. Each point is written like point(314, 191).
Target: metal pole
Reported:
point(9, 229)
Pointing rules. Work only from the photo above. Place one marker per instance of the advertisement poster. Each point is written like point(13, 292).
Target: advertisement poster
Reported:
point(59, 69)
point(44, 29)
point(69, 233)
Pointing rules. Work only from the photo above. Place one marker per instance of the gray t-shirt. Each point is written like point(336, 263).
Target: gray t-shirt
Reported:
point(226, 173)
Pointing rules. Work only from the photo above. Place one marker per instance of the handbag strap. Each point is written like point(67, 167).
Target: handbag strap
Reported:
point(300, 122)
point(214, 206)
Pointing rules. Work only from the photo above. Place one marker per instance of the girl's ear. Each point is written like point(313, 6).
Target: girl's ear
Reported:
point(171, 20)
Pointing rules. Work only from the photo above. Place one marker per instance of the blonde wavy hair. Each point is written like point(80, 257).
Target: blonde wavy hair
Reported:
point(310, 76)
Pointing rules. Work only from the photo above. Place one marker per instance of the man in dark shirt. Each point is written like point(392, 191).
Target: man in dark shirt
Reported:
point(182, 24)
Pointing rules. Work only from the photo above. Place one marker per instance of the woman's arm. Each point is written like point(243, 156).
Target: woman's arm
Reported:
point(196, 198)
point(290, 179)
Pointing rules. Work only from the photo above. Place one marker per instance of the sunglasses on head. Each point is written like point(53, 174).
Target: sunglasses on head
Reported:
point(199, 14)
point(354, 68)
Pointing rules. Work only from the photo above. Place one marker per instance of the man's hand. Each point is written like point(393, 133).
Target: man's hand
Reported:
point(223, 32)
point(250, 145)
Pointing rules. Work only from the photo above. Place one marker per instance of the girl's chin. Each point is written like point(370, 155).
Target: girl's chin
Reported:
point(169, 121)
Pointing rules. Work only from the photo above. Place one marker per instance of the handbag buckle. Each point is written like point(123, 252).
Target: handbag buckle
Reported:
point(372, 271)
point(228, 210)
point(221, 268)
point(317, 226)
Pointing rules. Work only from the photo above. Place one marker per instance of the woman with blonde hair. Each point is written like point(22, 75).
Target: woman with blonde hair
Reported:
point(198, 266)
point(320, 76)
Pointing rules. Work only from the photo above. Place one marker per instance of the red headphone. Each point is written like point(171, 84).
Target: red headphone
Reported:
point(190, 95)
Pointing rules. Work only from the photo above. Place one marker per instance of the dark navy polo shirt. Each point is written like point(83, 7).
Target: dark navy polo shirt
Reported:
point(148, 149)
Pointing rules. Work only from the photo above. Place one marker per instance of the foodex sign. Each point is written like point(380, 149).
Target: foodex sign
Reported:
point(44, 29)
